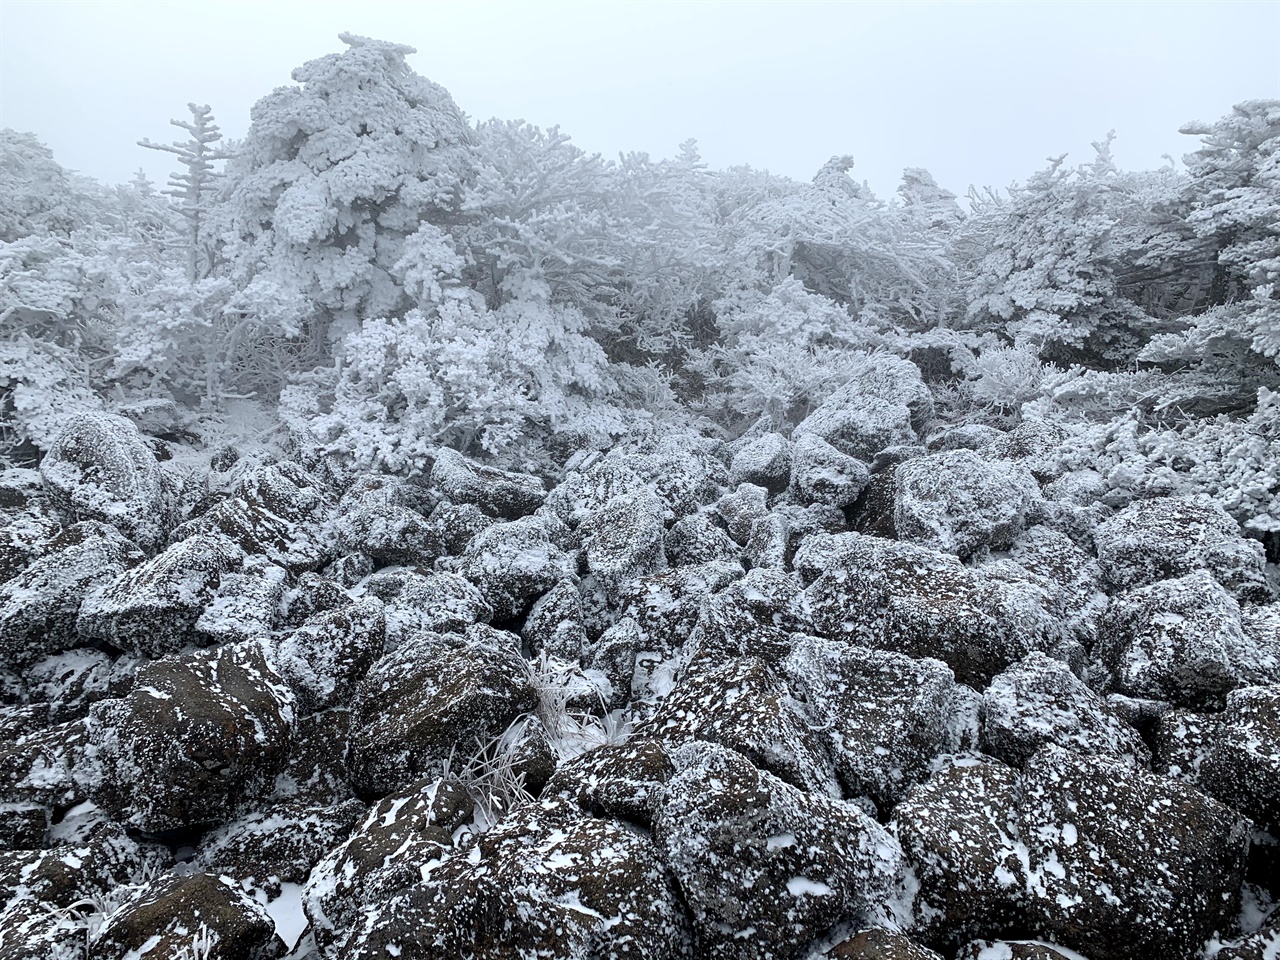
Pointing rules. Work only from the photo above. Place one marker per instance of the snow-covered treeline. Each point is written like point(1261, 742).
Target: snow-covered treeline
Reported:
point(388, 278)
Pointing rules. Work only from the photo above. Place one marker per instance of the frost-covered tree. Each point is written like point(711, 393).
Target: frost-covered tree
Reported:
point(334, 174)
point(195, 186)
point(1049, 282)
point(1233, 215)
point(781, 355)
point(486, 382)
point(621, 241)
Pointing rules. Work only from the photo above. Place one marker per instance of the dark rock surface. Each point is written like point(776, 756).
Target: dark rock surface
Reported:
point(764, 868)
point(663, 704)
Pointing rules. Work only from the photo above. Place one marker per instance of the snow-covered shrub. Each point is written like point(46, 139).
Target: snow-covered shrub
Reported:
point(460, 376)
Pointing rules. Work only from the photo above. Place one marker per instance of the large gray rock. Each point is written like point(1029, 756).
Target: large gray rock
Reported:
point(325, 658)
point(414, 603)
point(384, 855)
point(959, 503)
point(885, 716)
point(859, 426)
point(903, 597)
point(375, 518)
point(1038, 701)
point(100, 468)
point(755, 616)
point(1242, 766)
point(197, 738)
point(38, 607)
point(765, 868)
point(1126, 863)
point(437, 696)
point(623, 541)
point(278, 511)
point(280, 844)
point(764, 461)
point(960, 834)
point(549, 878)
point(513, 563)
point(1170, 537)
point(498, 493)
point(742, 704)
point(822, 474)
point(201, 914)
point(152, 609)
point(1175, 640)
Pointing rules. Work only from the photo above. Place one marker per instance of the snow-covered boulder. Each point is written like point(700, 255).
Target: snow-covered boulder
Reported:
point(903, 597)
point(822, 474)
point(100, 468)
point(555, 623)
point(1126, 863)
point(153, 608)
point(247, 605)
point(198, 737)
point(201, 914)
point(48, 765)
point(744, 705)
point(499, 493)
point(741, 509)
point(1180, 742)
point(315, 769)
point(1074, 576)
point(765, 868)
point(280, 844)
point(24, 825)
point(764, 461)
point(959, 503)
point(374, 517)
point(38, 607)
point(667, 605)
point(325, 658)
point(752, 617)
point(414, 603)
point(513, 563)
point(1175, 640)
point(385, 854)
point(70, 681)
point(310, 594)
point(623, 780)
point(885, 717)
point(1039, 700)
point(549, 878)
point(961, 836)
point(25, 534)
point(877, 943)
point(624, 541)
point(1259, 663)
point(454, 524)
point(1242, 765)
point(699, 538)
point(1035, 444)
point(434, 697)
point(775, 537)
point(279, 511)
point(1170, 537)
point(860, 426)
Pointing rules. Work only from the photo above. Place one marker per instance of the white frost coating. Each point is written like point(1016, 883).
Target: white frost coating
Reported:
point(803, 886)
point(286, 911)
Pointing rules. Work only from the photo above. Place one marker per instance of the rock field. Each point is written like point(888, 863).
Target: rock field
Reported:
point(869, 691)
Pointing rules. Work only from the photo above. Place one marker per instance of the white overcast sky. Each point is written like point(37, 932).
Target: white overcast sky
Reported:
point(976, 92)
